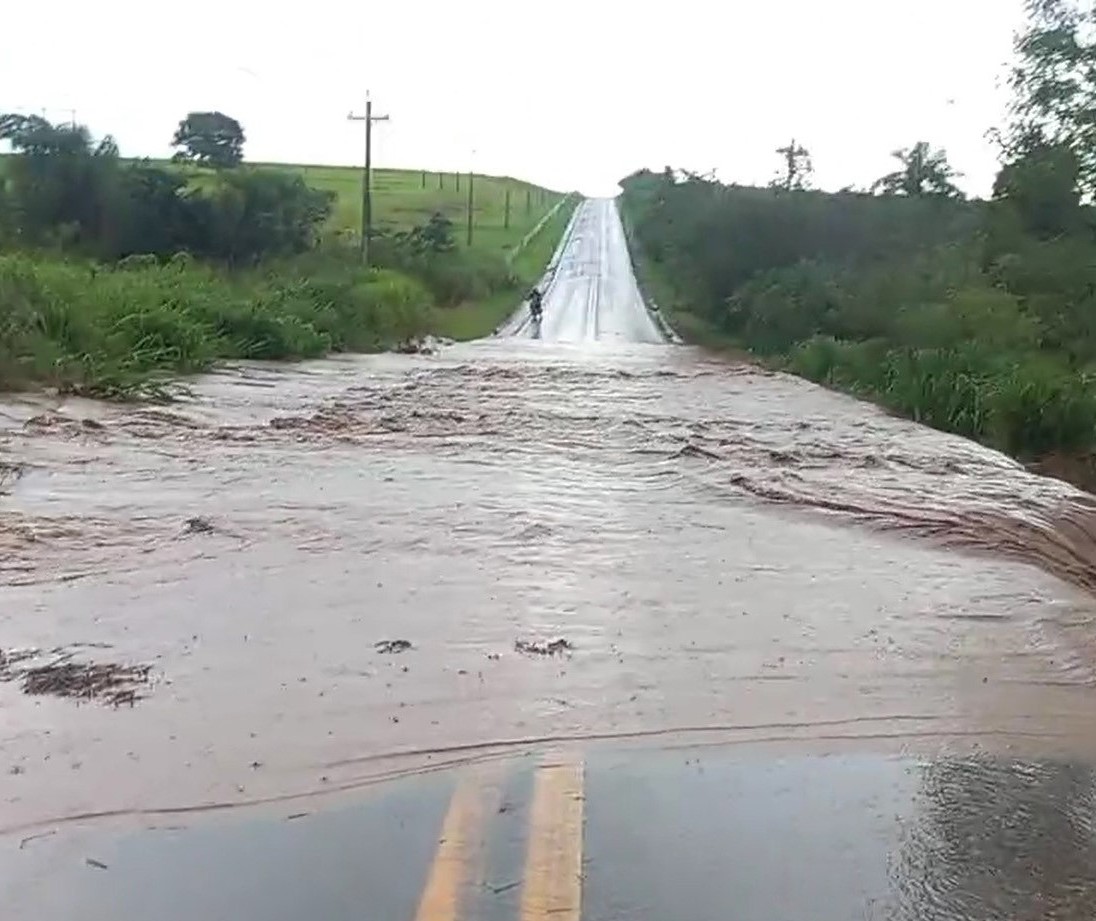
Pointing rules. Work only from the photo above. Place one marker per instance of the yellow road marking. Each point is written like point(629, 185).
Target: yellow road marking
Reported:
point(552, 887)
point(459, 857)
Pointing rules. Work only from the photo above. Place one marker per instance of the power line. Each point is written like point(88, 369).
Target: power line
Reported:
point(367, 192)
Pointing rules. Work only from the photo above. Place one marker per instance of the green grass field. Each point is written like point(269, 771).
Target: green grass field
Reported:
point(404, 198)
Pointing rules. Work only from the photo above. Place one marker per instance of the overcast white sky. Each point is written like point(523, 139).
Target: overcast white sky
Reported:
point(573, 94)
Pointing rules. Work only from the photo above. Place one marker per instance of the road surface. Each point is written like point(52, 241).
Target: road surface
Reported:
point(590, 292)
point(817, 659)
point(615, 835)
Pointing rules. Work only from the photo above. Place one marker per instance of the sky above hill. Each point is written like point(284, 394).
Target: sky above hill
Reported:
point(574, 94)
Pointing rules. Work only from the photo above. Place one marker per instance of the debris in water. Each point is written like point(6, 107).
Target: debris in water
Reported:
point(54, 672)
point(416, 346)
point(110, 682)
point(556, 647)
point(391, 647)
point(27, 840)
point(9, 473)
point(198, 525)
point(11, 658)
point(98, 864)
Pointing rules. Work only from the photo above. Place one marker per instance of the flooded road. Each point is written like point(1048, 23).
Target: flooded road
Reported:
point(622, 834)
point(736, 559)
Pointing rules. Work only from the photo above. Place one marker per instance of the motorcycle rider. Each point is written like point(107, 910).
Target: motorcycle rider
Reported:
point(536, 304)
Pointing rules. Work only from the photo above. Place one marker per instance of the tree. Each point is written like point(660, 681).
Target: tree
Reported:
point(61, 188)
point(797, 168)
point(1054, 83)
point(60, 183)
point(924, 172)
point(210, 139)
point(1042, 188)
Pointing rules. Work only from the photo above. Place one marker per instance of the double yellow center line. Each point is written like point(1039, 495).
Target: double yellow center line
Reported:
point(551, 885)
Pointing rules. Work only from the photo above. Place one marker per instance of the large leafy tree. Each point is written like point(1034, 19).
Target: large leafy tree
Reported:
point(923, 172)
point(61, 182)
point(210, 139)
point(1054, 84)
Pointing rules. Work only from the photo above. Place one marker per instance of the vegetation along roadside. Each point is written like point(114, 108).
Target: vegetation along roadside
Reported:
point(117, 274)
point(975, 317)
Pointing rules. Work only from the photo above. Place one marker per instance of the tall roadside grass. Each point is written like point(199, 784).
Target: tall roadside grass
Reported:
point(1023, 404)
point(927, 339)
point(120, 331)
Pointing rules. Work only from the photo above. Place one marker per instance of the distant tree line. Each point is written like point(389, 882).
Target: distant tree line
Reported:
point(61, 189)
point(978, 317)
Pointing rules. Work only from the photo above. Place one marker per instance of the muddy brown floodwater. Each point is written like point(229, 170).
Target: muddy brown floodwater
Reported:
point(730, 555)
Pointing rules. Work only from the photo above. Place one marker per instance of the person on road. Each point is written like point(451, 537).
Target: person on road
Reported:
point(536, 304)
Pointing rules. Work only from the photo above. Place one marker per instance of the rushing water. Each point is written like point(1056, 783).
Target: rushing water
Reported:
point(734, 555)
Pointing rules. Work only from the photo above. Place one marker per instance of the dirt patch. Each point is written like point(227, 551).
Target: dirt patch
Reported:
point(55, 672)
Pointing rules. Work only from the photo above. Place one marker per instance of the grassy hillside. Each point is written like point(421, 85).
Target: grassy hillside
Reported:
point(401, 200)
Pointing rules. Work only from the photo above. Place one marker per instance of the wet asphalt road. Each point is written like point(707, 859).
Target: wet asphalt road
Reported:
point(590, 291)
point(827, 664)
point(686, 834)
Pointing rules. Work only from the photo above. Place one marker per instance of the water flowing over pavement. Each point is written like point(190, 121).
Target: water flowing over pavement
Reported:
point(738, 560)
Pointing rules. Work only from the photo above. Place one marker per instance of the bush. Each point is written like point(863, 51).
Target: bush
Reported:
point(452, 275)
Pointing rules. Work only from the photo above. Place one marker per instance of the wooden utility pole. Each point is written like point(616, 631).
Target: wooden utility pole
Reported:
point(506, 218)
point(471, 204)
point(367, 191)
point(528, 200)
point(424, 179)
